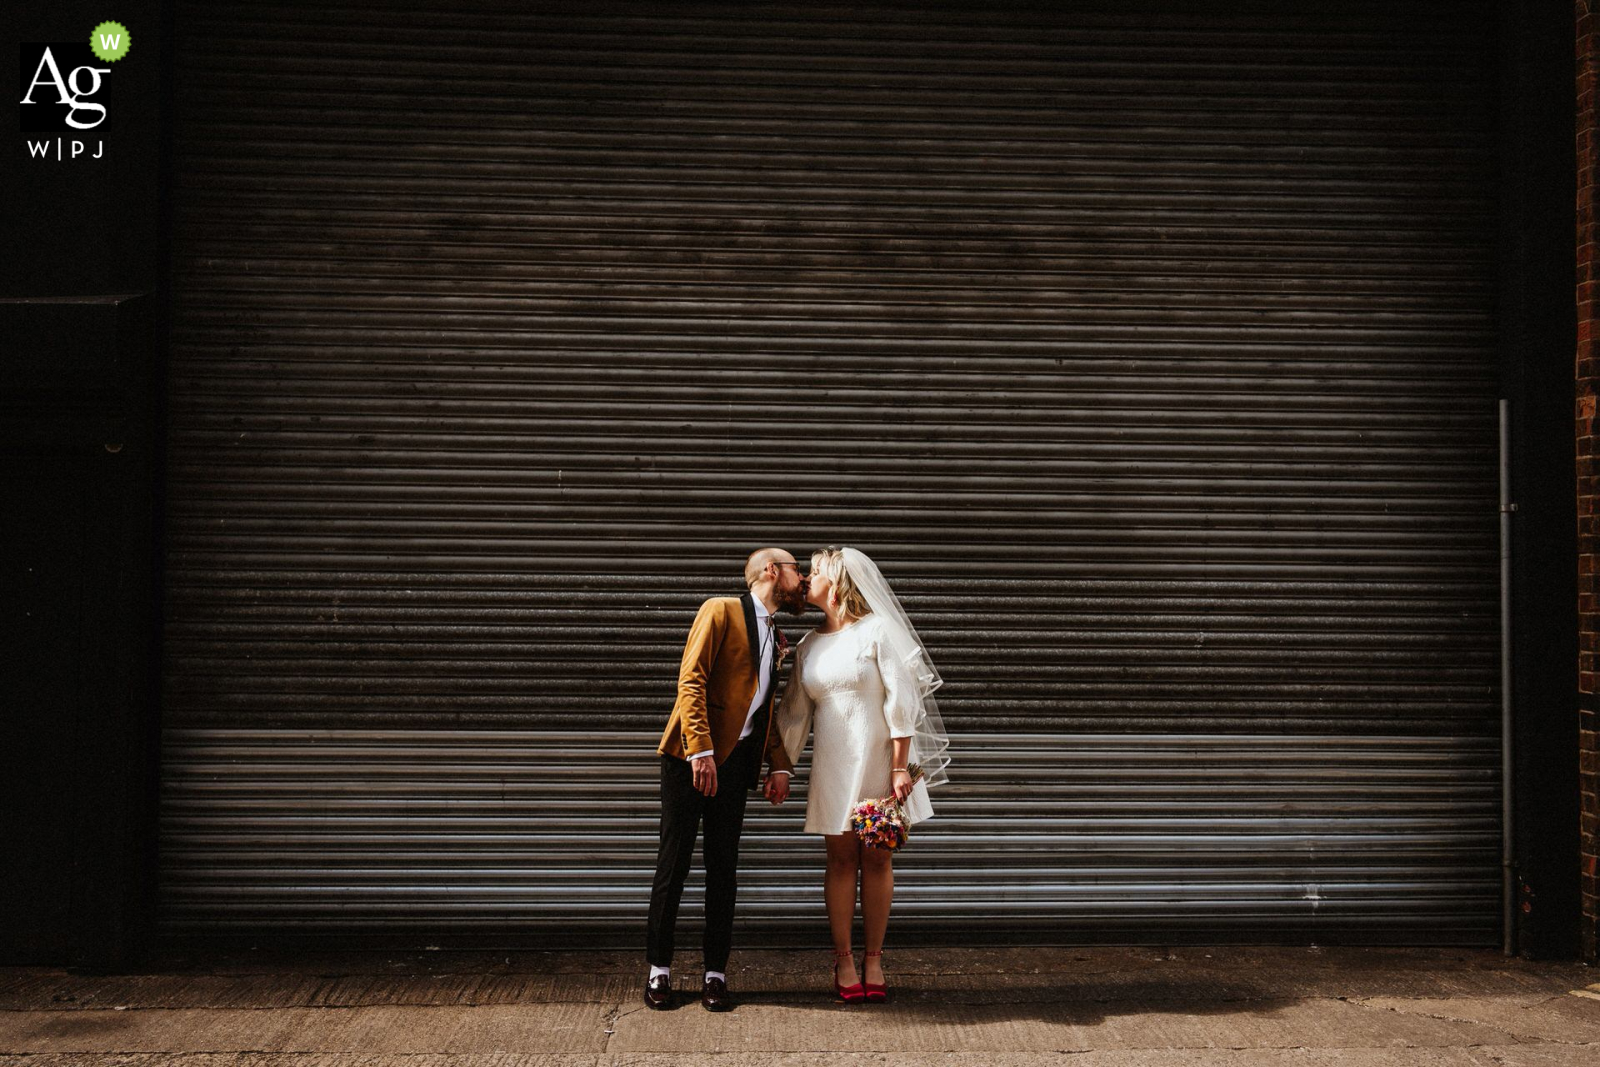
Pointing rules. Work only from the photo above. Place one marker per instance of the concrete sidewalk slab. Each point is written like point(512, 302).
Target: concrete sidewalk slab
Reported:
point(1100, 1007)
point(398, 1030)
point(1486, 1056)
point(1561, 1018)
point(926, 1027)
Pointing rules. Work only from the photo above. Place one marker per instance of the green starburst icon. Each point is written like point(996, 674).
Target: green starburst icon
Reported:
point(110, 41)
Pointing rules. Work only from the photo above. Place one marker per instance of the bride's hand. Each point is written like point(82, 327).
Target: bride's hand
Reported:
point(777, 787)
point(902, 784)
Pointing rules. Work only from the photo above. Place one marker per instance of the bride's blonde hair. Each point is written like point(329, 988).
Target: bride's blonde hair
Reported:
point(829, 562)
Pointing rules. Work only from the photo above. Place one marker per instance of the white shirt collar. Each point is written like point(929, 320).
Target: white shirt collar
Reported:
point(761, 609)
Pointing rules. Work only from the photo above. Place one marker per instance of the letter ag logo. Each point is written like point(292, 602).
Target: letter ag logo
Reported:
point(53, 103)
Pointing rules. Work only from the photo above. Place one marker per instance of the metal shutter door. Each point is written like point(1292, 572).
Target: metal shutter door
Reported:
point(1149, 348)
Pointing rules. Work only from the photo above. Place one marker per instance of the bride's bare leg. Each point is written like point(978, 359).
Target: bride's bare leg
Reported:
point(839, 894)
point(877, 891)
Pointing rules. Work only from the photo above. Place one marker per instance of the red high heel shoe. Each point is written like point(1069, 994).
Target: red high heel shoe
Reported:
point(876, 994)
point(850, 994)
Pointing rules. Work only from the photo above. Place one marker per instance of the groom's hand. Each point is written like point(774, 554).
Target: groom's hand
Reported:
point(777, 787)
point(705, 775)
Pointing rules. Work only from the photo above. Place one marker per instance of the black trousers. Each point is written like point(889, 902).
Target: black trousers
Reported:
point(683, 809)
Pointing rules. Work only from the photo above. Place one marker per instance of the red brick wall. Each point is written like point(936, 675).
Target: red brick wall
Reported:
point(1588, 371)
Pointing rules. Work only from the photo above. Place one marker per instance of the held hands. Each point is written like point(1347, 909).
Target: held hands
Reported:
point(777, 787)
point(705, 781)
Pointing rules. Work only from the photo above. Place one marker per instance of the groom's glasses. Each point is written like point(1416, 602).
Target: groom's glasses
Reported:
point(785, 563)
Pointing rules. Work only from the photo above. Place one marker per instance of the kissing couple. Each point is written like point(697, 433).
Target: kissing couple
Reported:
point(861, 688)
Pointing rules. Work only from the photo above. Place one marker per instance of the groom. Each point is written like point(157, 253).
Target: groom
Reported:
point(711, 756)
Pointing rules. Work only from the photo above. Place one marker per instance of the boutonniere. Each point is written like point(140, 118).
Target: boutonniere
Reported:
point(783, 646)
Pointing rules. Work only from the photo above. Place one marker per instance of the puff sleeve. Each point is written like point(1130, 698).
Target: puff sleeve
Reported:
point(793, 717)
point(902, 706)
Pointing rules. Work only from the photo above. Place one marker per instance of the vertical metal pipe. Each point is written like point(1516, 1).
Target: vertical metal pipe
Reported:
point(1508, 879)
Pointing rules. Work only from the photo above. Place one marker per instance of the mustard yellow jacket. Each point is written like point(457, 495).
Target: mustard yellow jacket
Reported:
point(717, 681)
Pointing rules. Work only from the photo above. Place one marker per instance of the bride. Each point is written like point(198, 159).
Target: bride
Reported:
point(863, 684)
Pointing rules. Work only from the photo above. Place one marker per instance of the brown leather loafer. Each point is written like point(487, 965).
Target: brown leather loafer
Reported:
point(715, 995)
point(658, 992)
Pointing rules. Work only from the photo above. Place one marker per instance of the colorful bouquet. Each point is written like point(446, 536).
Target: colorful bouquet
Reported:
point(881, 823)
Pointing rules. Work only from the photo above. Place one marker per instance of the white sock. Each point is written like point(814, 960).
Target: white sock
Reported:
point(656, 972)
point(716, 974)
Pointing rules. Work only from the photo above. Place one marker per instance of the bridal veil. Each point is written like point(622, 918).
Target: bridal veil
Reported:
point(932, 741)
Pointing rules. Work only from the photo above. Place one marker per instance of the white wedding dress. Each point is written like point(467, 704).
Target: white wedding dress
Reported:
point(854, 700)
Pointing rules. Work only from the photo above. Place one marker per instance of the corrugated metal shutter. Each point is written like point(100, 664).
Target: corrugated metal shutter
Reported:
point(1148, 347)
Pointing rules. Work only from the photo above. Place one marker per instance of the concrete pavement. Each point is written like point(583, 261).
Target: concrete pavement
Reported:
point(1097, 1007)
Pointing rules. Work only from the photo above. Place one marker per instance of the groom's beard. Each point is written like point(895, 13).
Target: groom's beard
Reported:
point(793, 601)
